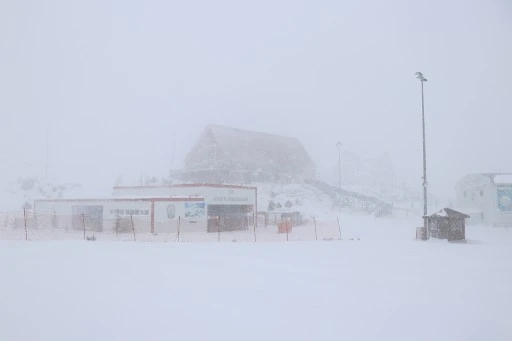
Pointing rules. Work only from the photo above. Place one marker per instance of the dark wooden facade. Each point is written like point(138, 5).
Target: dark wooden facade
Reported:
point(447, 224)
point(229, 155)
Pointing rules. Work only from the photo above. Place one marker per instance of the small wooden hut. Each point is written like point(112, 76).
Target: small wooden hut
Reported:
point(447, 224)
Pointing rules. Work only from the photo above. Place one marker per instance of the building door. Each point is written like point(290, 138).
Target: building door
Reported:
point(89, 215)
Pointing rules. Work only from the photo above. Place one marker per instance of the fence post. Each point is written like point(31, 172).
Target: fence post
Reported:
point(316, 234)
point(339, 227)
point(25, 221)
point(254, 227)
point(287, 228)
point(178, 229)
point(133, 228)
point(54, 220)
point(83, 223)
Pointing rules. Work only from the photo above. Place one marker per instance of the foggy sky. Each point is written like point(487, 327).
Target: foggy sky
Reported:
point(113, 79)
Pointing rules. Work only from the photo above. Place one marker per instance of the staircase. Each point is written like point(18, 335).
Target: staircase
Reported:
point(370, 204)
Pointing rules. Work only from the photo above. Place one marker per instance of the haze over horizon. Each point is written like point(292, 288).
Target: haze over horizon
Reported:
point(111, 81)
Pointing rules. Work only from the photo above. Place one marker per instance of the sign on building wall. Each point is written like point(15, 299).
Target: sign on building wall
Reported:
point(233, 197)
point(195, 210)
point(171, 211)
point(505, 198)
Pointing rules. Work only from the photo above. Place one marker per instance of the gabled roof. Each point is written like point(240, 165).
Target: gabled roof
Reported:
point(254, 148)
point(448, 212)
point(478, 179)
point(503, 178)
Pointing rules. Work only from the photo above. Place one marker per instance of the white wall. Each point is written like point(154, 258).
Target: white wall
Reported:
point(60, 213)
point(212, 195)
point(478, 193)
point(166, 222)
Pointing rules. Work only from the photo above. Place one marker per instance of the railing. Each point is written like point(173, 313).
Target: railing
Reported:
point(27, 225)
point(371, 204)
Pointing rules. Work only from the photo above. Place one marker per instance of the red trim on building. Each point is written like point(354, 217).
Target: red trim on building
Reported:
point(187, 186)
point(120, 200)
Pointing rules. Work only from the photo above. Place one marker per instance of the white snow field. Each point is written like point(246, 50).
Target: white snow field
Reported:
point(386, 286)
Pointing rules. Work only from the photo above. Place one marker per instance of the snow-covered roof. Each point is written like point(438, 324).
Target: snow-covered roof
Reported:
point(477, 180)
point(448, 212)
point(15, 195)
point(469, 210)
point(503, 179)
point(474, 181)
point(251, 150)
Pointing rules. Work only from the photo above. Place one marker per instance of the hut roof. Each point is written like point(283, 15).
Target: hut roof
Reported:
point(449, 213)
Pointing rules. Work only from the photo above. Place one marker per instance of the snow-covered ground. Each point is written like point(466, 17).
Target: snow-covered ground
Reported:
point(384, 286)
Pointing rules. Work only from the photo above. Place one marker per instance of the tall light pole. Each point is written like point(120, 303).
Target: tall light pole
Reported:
point(422, 79)
point(173, 139)
point(339, 144)
point(46, 159)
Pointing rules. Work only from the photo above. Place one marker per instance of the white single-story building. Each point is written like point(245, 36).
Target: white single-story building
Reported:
point(156, 209)
point(486, 198)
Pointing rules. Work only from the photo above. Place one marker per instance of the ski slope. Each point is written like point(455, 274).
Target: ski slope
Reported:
point(381, 288)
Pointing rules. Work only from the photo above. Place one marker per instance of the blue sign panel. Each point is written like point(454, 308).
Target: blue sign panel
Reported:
point(195, 209)
point(505, 198)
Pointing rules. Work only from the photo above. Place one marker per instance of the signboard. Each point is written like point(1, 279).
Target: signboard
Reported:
point(195, 210)
point(232, 197)
point(171, 211)
point(505, 198)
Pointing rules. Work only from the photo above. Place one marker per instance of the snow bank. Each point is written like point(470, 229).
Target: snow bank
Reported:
point(384, 289)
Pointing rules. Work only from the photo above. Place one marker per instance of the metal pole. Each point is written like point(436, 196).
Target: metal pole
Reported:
point(25, 222)
point(172, 156)
point(83, 223)
point(133, 228)
point(425, 183)
point(339, 163)
point(316, 234)
point(46, 159)
point(339, 171)
point(286, 226)
point(254, 218)
point(339, 228)
point(178, 229)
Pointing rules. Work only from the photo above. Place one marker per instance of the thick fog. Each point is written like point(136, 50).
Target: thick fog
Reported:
point(117, 86)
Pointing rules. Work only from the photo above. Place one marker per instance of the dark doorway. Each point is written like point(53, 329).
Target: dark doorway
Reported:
point(229, 217)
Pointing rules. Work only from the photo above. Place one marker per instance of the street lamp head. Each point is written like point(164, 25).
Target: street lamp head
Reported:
point(420, 76)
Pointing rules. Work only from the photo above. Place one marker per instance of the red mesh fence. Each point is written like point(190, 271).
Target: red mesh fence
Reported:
point(49, 226)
